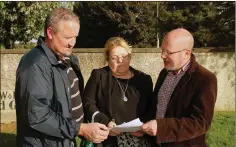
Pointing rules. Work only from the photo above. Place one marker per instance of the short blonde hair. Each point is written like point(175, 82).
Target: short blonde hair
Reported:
point(115, 42)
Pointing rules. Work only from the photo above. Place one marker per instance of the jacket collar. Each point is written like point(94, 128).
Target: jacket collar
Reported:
point(193, 65)
point(49, 53)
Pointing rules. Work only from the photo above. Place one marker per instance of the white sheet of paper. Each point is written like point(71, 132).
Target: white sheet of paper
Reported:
point(132, 126)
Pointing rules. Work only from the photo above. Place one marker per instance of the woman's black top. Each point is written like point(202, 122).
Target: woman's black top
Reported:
point(103, 98)
point(125, 111)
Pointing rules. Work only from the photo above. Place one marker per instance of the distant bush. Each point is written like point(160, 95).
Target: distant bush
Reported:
point(25, 46)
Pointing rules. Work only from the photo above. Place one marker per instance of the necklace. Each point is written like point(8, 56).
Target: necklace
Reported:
point(123, 91)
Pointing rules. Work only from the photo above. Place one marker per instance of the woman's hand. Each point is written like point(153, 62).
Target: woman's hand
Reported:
point(110, 125)
point(137, 134)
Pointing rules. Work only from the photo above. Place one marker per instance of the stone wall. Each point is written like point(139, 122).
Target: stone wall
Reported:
point(220, 62)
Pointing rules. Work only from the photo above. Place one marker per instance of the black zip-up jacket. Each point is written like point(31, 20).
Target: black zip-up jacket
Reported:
point(43, 100)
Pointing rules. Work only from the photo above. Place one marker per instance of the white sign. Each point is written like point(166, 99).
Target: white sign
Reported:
point(7, 100)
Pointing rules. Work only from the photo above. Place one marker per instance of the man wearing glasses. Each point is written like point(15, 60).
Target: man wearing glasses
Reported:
point(185, 93)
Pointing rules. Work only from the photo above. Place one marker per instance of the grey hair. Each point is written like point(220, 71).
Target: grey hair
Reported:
point(57, 15)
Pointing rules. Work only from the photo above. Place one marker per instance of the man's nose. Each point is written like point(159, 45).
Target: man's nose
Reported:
point(72, 42)
point(163, 55)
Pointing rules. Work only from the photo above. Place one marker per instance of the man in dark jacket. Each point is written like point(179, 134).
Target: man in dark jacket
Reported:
point(185, 93)
point(49, 89)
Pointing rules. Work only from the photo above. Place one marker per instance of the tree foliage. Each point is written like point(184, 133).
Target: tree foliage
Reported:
point(225, 22)
point(212, 23)
point(22, 21)
point(134, 21)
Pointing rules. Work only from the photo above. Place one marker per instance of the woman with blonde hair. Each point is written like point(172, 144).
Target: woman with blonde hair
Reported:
point(118, 93)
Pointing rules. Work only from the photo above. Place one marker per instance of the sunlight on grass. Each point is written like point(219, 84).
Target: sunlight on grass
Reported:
point(222, 131)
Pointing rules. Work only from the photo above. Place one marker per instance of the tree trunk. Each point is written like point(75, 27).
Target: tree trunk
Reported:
point(8, 44)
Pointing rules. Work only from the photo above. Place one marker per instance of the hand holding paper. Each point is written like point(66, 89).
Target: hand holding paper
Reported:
point(132, 126)
point(150, 127)
point(113, 132)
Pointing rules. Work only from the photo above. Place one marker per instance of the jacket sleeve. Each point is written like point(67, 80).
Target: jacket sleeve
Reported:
point(201, 113)
point(36, 89)
point(90, 99)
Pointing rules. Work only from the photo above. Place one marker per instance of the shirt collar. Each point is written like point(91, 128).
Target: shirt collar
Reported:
point(65, 62)
point(182, 69)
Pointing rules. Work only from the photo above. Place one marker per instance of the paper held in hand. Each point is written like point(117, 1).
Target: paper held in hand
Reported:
point(132, 126)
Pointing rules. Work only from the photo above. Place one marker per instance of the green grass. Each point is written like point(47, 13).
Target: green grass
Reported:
point(8, 140)
point(221, 133)
point(222, 130)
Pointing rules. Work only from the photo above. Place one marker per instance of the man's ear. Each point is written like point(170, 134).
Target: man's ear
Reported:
point(50, 32)
point(188, 52)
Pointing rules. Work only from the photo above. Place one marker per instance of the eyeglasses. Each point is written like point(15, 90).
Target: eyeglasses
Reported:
point(168, 53)
point(116, 58)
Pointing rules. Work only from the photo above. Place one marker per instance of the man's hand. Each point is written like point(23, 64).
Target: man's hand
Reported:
point(94, 132)
point(110, 125)
point(137, 134)
point(150, 127)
